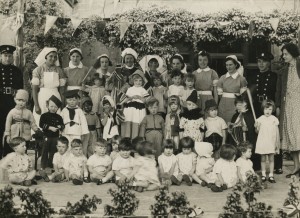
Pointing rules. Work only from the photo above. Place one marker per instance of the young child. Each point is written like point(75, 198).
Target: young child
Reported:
point(109, 119)
point(176, 88)
point(94, 126)
point(73, 117)
point(153, 125)
point(206, 80)
point(215, 125)
point(124, 165)
point(52, 124)
point(172, 121)
point(189, 81)
point(59, 159)
point(18, 164)
point(268, 138)
point(134, 109)
point(99, 164)
point(75, 165)
point(187, 161)
point(147, 174)
point(205, 163)
point(159, 92)
point(191, 121)
point(96, 92)
point(168, 166)
point(115, 141)
point(19, 120)
point(225, 169)
point(244, 164)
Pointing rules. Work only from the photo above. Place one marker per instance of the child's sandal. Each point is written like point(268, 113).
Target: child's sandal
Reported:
point(99, 182)
point(26, 183)
point(86, 180)
point(77, 182)
point(271, 179)
point(263, 179)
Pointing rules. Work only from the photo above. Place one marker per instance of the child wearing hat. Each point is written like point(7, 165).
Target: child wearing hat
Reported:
point(134, 108)
point(19, 120)
point(73, 117)
point(215, 125)
point(51, 123)
point(172, 121)
point(94, 127)
point(191, 121)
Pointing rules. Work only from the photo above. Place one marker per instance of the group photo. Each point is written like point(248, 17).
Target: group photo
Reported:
point(124, 108)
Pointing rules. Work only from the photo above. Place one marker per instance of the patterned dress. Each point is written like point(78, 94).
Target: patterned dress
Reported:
point(291, 118)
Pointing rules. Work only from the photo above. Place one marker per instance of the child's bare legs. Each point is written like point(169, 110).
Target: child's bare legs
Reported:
point(263, 164)
point(196, 178)
point(176, 142)
point(20, 178)
point(204, 178)
point(271, 163)
point(152, 187)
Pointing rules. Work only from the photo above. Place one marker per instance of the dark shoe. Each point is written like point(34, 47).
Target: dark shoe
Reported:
point(203, 183)
point(86, 180)
point(26, 183)
point(77, 182)
point(271, 179)
point(215, 188)
point(99, 182)
point(175, 180)
point(187, 180)
point(263, 179)
point(278, 171)
point(44, 175)
point(57, 179)
point(33, 182)
point(224, 187)
point(209, 185)
point(292, 174)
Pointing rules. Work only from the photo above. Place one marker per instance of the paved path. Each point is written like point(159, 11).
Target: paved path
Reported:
point(211, 203)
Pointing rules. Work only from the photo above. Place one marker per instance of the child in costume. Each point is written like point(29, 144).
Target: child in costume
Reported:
point(100, 164)
point(205, 163)
point(191, 121)
point(94, 126)
point(153, 125)
point(168, 166)
point(159, 92)
point(52, 124)
point(19, 120)
point(225, 169)
point(173, 120)
point(74, 119)
point(75, 165)
point(268, 141)
point(187, 161)
point(134, 108)
point(244, 164)
point(18, 164)
point(146, 177)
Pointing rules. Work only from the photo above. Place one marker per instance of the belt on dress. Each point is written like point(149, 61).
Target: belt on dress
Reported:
point(150, 129)
point(7, 90)
point(229, 95)
point(14, 121)
point(92, 127)
point(204, 92)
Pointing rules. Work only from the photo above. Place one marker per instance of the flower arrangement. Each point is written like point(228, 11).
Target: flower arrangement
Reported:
point(161, 205)
point(7, 205)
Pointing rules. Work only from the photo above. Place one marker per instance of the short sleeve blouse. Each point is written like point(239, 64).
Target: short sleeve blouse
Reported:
point(205, 79)
point(231, 85)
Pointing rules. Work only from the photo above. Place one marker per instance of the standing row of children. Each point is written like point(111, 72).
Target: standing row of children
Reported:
point(134, 162)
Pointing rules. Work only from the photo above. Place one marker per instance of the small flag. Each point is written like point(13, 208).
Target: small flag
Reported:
point(50, 20)
point(149, 27)
point(123, 28)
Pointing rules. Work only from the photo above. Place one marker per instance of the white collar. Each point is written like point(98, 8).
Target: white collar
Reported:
point(205, 69)
point(72, 66)
point(128, 67)
point(234, 76)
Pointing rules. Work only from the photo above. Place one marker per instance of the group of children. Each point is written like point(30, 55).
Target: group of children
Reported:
point(170, 120)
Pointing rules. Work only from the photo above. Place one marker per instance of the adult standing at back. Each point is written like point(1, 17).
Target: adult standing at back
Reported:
point(290, 104)
point(11, 79)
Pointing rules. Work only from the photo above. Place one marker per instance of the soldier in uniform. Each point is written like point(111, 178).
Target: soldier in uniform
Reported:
point(263, 85)
point(11, 79)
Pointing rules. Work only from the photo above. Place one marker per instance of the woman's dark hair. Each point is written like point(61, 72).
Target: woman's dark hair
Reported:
point(145, 148)
point(125, 144)
point(168, 143)
point(97, 63)
point(228, 151)
point(75, 51)
point(186, 142)
point(178, 58)
point(292, 49)
point(153, 60)
point(234, 61)
point(202, 53)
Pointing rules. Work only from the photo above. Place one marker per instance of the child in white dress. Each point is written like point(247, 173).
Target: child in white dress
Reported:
point(168, 166)
point(100, 164)
point(268, 138)
point(124, 166)
point(244, 164)
point(225, 169)
point(205, 163)
point(146, 177)
point(187, 161)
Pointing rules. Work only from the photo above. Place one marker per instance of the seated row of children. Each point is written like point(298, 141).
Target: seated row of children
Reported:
point(134, 162)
